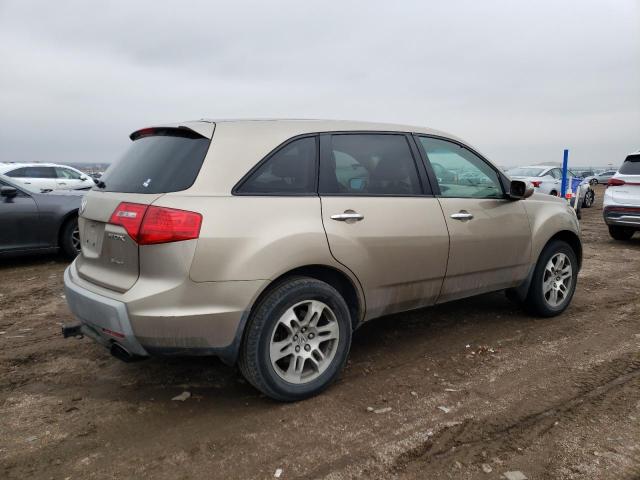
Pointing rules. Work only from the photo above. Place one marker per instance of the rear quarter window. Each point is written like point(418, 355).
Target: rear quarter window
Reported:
point(158, 161)
point(631, 165)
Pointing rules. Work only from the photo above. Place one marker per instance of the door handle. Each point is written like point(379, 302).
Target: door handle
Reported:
point(462, 215)
point(347, 216)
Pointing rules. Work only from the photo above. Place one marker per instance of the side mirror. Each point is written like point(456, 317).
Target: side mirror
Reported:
point(519, 190)
point(83, 177)
point(8, 192)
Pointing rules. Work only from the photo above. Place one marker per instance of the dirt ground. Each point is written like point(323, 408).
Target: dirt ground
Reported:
point(475, 388)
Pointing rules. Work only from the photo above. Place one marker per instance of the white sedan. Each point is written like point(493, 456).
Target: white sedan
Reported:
point(545, 178)
point(46, 176)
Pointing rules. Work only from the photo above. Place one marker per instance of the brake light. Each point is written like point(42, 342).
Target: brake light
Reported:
point(615, 182)
point(148, 225)
point(536, 183)
point(163, 225)
point(129, 216)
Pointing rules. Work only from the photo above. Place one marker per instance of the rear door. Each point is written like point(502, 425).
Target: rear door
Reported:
point(35, 178)
point(381, 220)
point(157, 162)
point(490, 235)
point(626, 183)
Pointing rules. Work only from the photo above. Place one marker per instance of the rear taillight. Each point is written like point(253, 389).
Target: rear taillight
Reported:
point(615, 182)
point(536, 183)
point(129, 216)
point(150, 224)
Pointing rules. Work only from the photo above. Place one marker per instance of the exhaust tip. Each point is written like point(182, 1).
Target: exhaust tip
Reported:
point(123, 354)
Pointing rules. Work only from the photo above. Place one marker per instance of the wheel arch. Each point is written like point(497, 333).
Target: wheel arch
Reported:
point(341, 281)
point(572, 239)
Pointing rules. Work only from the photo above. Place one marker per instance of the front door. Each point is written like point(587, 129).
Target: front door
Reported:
point(19, 228)
point(381, 220)
point(490, 234)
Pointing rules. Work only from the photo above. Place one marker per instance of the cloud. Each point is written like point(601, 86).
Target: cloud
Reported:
point(520, 81)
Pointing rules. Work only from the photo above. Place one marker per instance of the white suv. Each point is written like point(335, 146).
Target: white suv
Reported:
point(622, 199)
point(46, 176)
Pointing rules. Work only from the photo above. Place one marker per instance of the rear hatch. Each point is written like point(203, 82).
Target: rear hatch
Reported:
point(113, 214)
point(625, 185)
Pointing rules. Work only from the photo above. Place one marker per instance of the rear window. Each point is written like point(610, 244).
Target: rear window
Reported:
point(158, 161)
point(631, 165)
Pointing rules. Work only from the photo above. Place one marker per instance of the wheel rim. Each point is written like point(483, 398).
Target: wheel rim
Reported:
point(589, 199)
point(304, 342)
point(75, 239)
point(556, 282)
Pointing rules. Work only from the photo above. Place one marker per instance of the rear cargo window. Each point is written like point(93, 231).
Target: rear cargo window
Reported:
point(158, 161)
point(631, 165)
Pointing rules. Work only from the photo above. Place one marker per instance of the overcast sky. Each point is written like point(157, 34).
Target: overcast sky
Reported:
point(518, 80)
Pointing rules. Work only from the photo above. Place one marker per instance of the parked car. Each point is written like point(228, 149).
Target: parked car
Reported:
point(622, 199)
point(588, 175)
point(38, 222)
point(37, 177)
point(603, 177)
point(587, 194)
point(545, 178)
point(269, 248)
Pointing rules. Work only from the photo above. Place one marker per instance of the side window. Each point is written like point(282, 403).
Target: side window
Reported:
point(39, 172)
point(17, 173)
point(369, 164)
point(67, 173)
point(555, 173)
point(459, 172)
point(289, 171)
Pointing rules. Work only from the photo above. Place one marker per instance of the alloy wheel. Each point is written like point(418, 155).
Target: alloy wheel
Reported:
point(75, 239)
point(304, 341)
point(557, 278)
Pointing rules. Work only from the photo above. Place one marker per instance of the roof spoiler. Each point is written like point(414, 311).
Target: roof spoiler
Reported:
point(187, 129)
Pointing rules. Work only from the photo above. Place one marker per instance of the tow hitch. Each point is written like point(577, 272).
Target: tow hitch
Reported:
point(72, 331)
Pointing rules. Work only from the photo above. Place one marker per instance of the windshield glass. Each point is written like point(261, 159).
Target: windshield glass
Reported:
point(525, 172)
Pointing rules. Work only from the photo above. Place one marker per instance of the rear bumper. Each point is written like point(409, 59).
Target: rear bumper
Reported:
point(156, 319)
point(101, 318)
point(622, 216)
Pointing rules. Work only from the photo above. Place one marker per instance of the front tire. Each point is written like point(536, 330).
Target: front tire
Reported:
point(70, 238)
point(621, 233)
point(297, 340)
point(554, 280)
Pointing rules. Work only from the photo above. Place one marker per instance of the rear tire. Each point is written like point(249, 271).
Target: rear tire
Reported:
point(589, 197)
point(554, 193)
point(70, 238)
point(297, 340)
point(554, 280)
point(621, 233)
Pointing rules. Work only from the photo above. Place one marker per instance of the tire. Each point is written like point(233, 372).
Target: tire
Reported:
point(621, 233)
point(268, 326)
point(593, 181)
point(554, 193)
point(540, 302)
point(589, 197)
point(70, 238)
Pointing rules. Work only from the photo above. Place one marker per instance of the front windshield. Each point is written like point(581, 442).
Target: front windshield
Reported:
point(525, 172)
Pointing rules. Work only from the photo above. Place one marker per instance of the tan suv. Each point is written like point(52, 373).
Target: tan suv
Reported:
point(268, 242)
